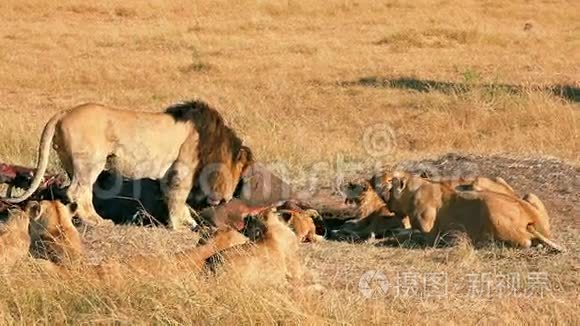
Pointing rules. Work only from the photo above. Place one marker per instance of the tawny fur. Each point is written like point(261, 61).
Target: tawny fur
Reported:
point(542, 219)
point(188, 261)
point(273, 255)
point(52, 233)
point(302, 223)
point(192, 259)
point(367, 202)
point(14, 238)
point(188, 145)
point(438, 208)
point(374, 217)
point(497, 184)
point(231, 213)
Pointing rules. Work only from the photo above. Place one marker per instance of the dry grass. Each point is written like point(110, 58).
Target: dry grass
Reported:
point(32, 296)
point(302, 81)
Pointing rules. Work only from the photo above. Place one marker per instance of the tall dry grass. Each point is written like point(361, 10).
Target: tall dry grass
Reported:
point(286, 73)
point(32, 295)
point(304, 82)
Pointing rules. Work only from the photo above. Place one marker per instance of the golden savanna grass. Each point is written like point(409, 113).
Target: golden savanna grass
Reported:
point(303, 82)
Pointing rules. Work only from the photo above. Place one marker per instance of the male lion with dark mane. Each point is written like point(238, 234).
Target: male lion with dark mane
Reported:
point(187, 145)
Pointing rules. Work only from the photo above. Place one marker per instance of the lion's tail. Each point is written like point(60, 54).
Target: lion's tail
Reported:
point(43, 156)
point(544, 239)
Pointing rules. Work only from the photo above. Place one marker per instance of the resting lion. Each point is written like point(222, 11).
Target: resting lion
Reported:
point(382, 183)
point(14, 238)
point(187, 145)
point(437, 208)
point(373, 215)
point(272, 252)
point(52, 233)
point(192, 259)
point(188, 261)
point(363, 196)
point(496, 184)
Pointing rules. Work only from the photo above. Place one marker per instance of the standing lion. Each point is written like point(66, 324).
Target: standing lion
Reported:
point(188, 144)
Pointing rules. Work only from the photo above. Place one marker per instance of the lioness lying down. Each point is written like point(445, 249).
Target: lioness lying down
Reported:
point(373, 215)
point(273, 252)
point(188, 261)
point(14, 237)
point(364, 197)
point(438, 208)
point(43, 229)
point(52, 233)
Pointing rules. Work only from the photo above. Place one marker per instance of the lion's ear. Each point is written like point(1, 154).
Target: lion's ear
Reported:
point(384, 192)
point(247, 219)
point(365, 186)
point(34, 210)
point(72, 207)
point(314, 214)
point(13, 211)
point(398, 185)
point(245, 155)
point(286, 215)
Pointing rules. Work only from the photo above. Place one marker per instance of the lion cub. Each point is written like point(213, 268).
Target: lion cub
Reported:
point(373, 214)
point(14, 238)
point(52, 233)
point(362, 195)
point(273, 252)
point(302, 223)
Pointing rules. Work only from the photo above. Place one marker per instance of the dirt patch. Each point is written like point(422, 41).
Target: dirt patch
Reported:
point(555, 182)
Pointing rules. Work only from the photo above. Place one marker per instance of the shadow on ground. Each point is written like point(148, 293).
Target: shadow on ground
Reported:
point(567, 92)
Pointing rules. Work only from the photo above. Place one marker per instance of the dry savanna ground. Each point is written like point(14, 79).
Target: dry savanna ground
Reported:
point(311, 84)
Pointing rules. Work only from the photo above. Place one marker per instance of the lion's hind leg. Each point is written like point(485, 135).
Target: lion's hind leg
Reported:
point(84, 175)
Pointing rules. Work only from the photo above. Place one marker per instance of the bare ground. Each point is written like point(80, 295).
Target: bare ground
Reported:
point(555, 182)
